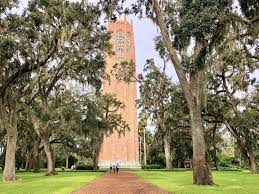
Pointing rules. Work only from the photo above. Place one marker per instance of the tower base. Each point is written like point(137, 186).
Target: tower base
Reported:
point(123, 164)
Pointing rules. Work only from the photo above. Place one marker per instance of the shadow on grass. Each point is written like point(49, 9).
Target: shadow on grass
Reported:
point(189, 169)
point(59, 171)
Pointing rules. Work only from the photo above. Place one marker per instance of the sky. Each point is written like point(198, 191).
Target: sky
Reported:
point(145, 32)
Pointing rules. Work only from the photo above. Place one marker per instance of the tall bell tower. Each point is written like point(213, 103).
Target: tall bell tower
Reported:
point(124, 148)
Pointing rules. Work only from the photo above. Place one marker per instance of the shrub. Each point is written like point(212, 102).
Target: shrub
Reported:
point(228, 162)
point(59, 162)
point(82, 166)
point(152, 166)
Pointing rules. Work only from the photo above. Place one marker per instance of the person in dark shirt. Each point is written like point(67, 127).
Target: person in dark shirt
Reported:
point(117, 167)
point(110, 168)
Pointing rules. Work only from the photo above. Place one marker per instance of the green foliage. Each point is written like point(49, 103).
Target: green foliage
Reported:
point(53, 45)
point(201, 18)
point(155, 89)
point(250, 8)
point(152, 166)
point(59, 162)
point(164, 104)
point(7, 4)
point(83, 166)
point(227, 161)
point(125, 70)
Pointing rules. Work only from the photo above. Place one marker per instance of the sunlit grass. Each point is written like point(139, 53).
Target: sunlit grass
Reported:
point(177, 182)
point(227, 182)
point(32, 183)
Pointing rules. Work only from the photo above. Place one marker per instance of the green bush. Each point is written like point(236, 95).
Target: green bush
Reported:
point(152, 166)
point(228, 162)
point(225, 163)
point(82, 166)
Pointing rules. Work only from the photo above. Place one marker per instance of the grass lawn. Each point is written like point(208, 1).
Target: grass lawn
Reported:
point(227, 182)
point(63, 183)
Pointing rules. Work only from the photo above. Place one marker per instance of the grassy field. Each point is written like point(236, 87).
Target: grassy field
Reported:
point(177, 182)
point(180, 182)
point(32, 183)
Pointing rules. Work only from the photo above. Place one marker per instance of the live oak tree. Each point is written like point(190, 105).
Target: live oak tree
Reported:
point(160, 96)
point(50, 37)
point(228, 83)
point(100, 119)
point(87, 122)
point(80, 60)
point(233, 64)
point(155, 90)
point(213, 114)
point(246, 128)
point(11, 91)
point(142, 126)
point(48, 123)
point(239, 113)
point(28, 142)
point(182, 24)
point(177, 122)
point(242, 125)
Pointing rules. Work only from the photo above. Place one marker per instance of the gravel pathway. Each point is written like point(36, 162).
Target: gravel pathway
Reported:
point(121, 183)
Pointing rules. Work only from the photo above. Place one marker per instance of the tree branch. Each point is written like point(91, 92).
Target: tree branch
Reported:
point(172, 51)
point(27, 67)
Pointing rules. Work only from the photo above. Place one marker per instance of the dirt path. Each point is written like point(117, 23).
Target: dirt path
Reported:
point(122, 183)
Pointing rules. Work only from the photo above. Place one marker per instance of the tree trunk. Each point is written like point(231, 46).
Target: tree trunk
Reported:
point(97, 151)
point(167, 150)
point(9, 168)
point(166, 140)
point(201, 169)
point(50, 156)
point(67, 162)
point(96, 157)
point(96, 161)
point(29, 159)
point(36, 165)
point(179, 164)
point(8, 120)
point(217, 163)
point(145, 149)
point(140, 150)
point(215, 157)
point(252, 161)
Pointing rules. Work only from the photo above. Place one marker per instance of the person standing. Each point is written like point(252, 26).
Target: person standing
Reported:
point(110, 168)
point(117, 167)
point(114, 168)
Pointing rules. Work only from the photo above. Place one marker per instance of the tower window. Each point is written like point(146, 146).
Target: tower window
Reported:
point(120, 43)
point(128, 42)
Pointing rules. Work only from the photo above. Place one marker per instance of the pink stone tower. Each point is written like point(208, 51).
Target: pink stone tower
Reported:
point(124, 148)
